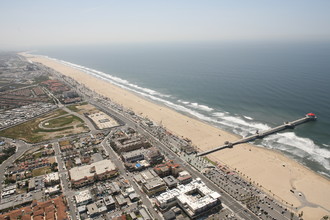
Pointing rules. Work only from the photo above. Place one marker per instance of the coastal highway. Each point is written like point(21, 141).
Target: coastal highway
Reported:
point(235, 206)
point(238, 208)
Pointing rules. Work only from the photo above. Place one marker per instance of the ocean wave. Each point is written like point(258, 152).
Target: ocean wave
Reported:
point(183, 102)
point(201, 107)
point(242, 125)
point(239, 125)
point(144, 92)
point(324, 174)
point(219, 114)
point(113, 78)
point(299, 146)
point(247, 117)
point(196, 105)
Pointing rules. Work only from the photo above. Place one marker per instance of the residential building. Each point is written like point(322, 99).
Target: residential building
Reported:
point(50, 209)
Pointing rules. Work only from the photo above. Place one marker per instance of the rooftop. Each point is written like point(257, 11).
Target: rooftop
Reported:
point(51, 177)
point(183, 193)
point(78, 173)
point(83, 196)
point(154, 183)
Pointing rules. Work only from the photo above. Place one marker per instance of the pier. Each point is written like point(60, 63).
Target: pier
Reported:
point(286, 125)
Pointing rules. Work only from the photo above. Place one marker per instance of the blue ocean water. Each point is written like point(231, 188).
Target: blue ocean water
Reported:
point(239, 87)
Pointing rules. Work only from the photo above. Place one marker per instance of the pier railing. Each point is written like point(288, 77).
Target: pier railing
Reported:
point(286, 125)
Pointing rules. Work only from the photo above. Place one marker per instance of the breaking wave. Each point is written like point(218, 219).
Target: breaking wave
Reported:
point(287, 142)
point(298, 146)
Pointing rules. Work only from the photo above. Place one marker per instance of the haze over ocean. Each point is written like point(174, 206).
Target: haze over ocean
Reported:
point(241, 87)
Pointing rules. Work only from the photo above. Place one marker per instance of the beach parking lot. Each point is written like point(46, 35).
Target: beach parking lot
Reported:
point(103, 120)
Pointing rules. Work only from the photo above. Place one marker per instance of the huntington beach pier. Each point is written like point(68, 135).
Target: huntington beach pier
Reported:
point(287, 125)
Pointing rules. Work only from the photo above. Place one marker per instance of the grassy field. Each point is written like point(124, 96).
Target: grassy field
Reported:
point(211, 161)
point(62, 121)
point(41, 171)
point(31, 132)
point(74, 107)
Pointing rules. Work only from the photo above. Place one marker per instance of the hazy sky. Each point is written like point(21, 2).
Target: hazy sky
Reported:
point(27, 24)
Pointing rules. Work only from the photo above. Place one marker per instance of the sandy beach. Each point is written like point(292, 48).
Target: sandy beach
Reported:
point(275, 172)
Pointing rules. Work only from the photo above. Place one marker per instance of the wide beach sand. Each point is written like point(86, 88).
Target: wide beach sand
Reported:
point(275, 172)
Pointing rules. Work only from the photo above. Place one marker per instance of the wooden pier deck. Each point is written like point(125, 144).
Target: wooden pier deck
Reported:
point(286, 125)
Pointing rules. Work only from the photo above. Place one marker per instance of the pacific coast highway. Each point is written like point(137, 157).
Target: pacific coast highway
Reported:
point(234, 205)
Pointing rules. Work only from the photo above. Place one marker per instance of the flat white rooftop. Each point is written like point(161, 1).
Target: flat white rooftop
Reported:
point(183, 194)
point(83, 196)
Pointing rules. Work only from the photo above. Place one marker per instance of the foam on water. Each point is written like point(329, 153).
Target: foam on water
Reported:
point(196, 105)
point(243, 125)
point(184, 102)
point(134, 88)
point(247, 117)
point(302, 147)
point(201, 107)
point(219, 114)
point(113, 78)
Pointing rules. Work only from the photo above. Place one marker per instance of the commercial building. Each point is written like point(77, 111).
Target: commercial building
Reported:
point(153, 186)
point(134, 197)
point(83, 197)
point(170, 181)
point(8, 191)
point(32, 184)
point(84, 175)
point(184, 177)
point(121, 200)
point(195, 198)
point(126, 144)
point(92, 210)
point(168, 168)
point(51, 179)
point(154, 156)
point(53, 190)
point(109, 202)
point(135, 155)
point(144, 214)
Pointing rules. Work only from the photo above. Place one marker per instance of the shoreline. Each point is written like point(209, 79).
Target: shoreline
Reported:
point(264, 166)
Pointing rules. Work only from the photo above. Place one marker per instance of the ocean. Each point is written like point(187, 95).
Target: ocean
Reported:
point(239, 87)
